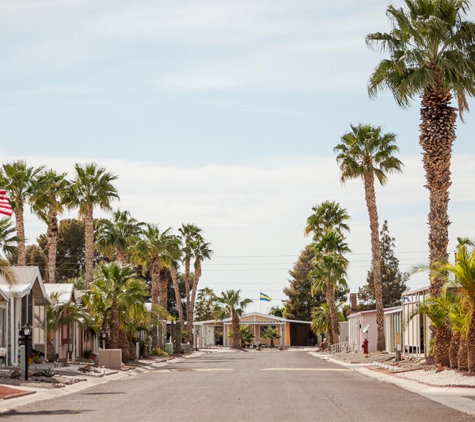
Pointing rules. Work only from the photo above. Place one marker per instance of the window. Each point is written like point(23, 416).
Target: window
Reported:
point(262, 328)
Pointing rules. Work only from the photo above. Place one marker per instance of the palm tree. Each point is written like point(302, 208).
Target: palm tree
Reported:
point(92, 187)
point(113, 236)
point(330, 274)
point(365, 152)
point(48, 202)
point(153, 250)
point(233, 306)
point(8, 238)
point(169, 261)
point(189, 233)
point(8, 246)
point(59, 315)
point(201, 251)
point(458, 344)
point(271, 334)
point(173, 268)
point(438, 310)
point(431, 56)
point(327, 215)
point(321, 319)
point(245, 334)
point(463, 283)
point(120, 290)
point(19, 180)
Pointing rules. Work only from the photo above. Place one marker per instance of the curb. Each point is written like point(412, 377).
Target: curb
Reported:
point(48, 394)
point(14, 396)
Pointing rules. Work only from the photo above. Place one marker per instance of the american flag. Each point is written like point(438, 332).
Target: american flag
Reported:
point(5, 207)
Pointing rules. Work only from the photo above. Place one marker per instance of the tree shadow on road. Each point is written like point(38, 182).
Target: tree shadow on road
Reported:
point(98, 394)
point(21, 414)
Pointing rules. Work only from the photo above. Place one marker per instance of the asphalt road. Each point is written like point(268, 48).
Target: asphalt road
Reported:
point(271, 385)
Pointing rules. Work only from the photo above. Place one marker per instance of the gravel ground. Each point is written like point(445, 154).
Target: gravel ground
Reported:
point(42, 382)
point(410, 369)
point(446, 378)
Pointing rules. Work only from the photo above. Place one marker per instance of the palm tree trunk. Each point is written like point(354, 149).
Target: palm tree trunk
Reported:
point(155, 276)
point(122, 257)
point(187, 291)
point(334, 324)
point(191, 313)
point(443, 336)
point(330, 335)
point(20, 230)
point(163, 288)
point(437, 136)
point(114, 325)
point(176, 287)
point(471, 344)
point(89, 244)
point(52, 245)
point(370, 197)
point(462, 357)
point(124, 345)
point(235, 325)
point(454, 349)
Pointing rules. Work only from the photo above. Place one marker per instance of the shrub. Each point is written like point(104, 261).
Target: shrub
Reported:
point(159, 352)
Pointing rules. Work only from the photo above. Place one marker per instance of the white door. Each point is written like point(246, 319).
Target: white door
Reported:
point(209, 336)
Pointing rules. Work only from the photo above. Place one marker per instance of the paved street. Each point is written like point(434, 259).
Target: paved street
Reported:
point(271, 385)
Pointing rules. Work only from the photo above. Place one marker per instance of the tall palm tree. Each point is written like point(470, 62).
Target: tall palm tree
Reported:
point(169, 261)
point(48, 203)
point(327, 215)
point(189, 233)
point(233, 306)
point(173, 268)
point(19, 179)
point(330, 274)
point(201, 251)
point(113, 236)
point(152, 250)
point(92, 187)
point(366, 152)
point(431, 56)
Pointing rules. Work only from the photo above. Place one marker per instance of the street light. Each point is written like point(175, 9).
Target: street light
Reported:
point(104, 334)
point(26, 332)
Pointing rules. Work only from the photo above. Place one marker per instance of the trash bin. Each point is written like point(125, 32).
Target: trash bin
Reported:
point(169, 348)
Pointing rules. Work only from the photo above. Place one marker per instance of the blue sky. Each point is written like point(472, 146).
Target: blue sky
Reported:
point(224, 113)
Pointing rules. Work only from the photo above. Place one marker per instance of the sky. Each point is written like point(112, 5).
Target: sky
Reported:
point(224, 114)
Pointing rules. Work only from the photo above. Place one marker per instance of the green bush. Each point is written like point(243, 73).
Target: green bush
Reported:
point(159, 352)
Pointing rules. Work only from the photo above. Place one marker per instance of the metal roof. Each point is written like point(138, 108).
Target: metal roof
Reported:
point(27, 279)
point(65, 292)
point(257, 315)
